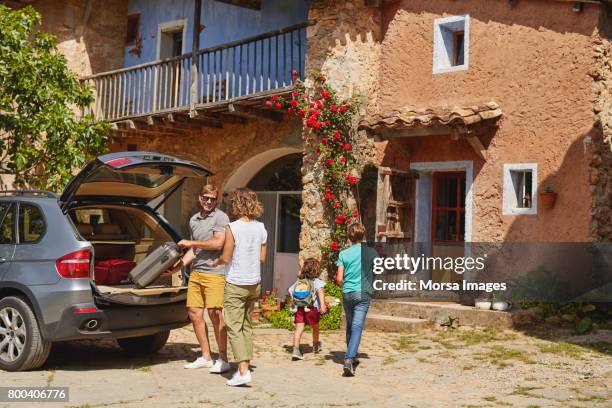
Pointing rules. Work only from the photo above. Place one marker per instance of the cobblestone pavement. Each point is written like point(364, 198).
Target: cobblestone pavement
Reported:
point(432, 368)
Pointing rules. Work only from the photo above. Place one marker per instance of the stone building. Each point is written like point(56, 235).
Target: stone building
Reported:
point(469, 110)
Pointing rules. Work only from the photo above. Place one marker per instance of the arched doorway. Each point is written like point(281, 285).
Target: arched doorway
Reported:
point(279, 187)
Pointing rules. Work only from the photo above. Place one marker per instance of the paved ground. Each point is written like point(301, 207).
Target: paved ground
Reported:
point(434, 368)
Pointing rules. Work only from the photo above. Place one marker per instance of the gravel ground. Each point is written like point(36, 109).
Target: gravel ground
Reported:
point(431, 368)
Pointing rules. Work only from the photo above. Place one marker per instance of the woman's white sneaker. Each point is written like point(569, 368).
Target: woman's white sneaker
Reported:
point(219, 367)
point(200, 362)
point(238, 379)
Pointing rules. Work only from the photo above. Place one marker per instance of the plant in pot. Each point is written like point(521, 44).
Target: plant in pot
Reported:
point(548, 198)
point(269, 302)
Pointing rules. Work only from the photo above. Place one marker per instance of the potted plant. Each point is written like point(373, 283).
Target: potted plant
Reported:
point(269, 302)
point(256, 312)
point(548, 198)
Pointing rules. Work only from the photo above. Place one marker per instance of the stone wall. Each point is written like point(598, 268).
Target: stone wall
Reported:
point(344, 45)
point(601, 165)
point(223, 151)
point(93, 47)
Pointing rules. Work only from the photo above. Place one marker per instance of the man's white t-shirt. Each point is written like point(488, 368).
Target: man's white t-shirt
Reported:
point(245, 267)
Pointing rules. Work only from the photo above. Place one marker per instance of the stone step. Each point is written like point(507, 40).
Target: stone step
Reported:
point(442, 313)
point(394, 323)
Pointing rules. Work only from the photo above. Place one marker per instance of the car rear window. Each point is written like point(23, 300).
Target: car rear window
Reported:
point(32, 225)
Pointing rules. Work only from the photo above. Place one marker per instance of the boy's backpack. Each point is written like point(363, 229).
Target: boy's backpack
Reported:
point(303, 293)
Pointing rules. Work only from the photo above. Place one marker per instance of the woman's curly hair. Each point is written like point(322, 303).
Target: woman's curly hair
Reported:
point(243, 202)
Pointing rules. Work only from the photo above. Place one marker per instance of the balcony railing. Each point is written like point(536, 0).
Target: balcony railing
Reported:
point(239, 70)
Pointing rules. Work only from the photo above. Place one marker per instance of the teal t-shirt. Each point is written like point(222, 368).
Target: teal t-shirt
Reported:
point(356, 278)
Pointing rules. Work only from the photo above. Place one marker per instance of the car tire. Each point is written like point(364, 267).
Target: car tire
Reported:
point(22, 346)
point(144, 344)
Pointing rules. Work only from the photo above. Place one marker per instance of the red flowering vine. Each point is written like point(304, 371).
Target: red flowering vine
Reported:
point(328, 118)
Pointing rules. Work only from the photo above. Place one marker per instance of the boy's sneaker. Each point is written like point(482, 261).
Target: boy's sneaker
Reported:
point(200, 362)
point(318, 346)
point(238, 379)
point(297, 354)
point(348, 370)
point(219, 367)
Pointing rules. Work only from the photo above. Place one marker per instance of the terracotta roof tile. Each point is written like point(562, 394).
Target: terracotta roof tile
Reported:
point(408, 118)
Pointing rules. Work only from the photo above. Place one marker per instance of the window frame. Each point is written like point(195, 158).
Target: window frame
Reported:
point(509, 192)
point(444, 32)
point(17, 232)
point(458, 177)
point(3, 217)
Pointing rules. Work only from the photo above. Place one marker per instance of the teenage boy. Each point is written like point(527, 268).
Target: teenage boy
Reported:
point(354, 275)
point(207, 282)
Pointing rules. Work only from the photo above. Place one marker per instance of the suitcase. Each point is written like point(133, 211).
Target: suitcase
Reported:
point(157, 262)
point(112, 271)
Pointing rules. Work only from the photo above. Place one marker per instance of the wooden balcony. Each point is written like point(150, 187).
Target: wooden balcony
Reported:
point(221, 78)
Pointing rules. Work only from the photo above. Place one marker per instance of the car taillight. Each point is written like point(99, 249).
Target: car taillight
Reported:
point(75, 264)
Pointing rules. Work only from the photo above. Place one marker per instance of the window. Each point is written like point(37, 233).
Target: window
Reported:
point(7, 223)
point(520, 184)
point(133, 29)
point(451, 44)
point(31, 224)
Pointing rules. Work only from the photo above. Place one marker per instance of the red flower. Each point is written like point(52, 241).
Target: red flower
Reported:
point(355, 213)
point(336, 205)
point(329, 162)
point(275, 97)
point(302, 112)
point(333, 246)
point(333, 196)
point(311, 105)
point(342, 109)
point(264, 297)
point(296, 93)
point(336, 134)
point(294, 72)
point(325, 95)
point(318, 125)
point(352, 180)
point(319, 103)
point(347, 147)
point(342, 159)
point(278, 105)
point(289, 110)
point(340, 219)
point(327, 196)
point(310, 122)
point(333, 108)
point(324, 140)
point(294, 103)
point(269, 104)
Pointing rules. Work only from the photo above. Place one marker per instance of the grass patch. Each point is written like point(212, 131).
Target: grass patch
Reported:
point(406, 344)
point(562, 348)
point(145, 369)
point(320, 361)
point(468, 367)
point(490, 399)
point(524, 391)
point(50, 377)
point(591, 398)
point(500, 356)
point(389, 360)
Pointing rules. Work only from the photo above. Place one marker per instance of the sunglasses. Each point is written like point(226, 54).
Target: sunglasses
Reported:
point(205, 199)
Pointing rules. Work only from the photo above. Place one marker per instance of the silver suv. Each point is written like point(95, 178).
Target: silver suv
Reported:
point(49, 248)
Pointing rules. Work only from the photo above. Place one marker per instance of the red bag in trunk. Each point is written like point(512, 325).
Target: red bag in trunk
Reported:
point(112, 271)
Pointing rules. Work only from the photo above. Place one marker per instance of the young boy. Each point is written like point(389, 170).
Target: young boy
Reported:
point(310, 271)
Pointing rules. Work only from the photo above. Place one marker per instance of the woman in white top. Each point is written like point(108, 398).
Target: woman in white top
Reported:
point(243, 253)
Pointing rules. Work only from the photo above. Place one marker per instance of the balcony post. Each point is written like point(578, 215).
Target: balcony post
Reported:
point(194, 57)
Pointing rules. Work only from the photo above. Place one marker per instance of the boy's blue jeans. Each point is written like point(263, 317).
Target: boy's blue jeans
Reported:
point(356, 305)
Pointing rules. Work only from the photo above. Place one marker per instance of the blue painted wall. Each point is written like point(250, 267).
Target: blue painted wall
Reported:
point(224, 22)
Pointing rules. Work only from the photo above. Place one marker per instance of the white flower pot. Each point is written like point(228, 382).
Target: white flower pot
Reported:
point(500, 305)
point(483, 304)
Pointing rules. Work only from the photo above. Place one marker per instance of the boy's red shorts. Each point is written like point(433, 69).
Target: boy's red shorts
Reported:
point(311, 318)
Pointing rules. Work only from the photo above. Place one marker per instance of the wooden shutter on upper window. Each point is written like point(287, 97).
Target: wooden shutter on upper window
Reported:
point(395, 204)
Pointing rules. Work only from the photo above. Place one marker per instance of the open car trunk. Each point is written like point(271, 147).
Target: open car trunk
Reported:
point(126, 233)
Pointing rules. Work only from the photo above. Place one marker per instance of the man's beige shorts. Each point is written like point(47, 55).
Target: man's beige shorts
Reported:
point(205, 290)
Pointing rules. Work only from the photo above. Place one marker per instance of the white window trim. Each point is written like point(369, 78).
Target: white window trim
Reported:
point(170, 26)
point(507, 208)
point(438, 45)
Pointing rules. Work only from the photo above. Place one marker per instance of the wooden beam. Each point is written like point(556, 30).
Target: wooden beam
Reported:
point(198, 121)
point(222, 117)
point(262, 113)
point(476, 144)
point(419, 131)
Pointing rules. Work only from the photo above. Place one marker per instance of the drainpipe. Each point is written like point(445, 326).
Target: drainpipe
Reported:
point(194, 58)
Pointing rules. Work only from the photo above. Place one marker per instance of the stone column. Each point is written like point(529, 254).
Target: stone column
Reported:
point(344, 46)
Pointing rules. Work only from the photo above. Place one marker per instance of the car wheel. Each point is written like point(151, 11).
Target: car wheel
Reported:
point(144, 344)
point(22, 346)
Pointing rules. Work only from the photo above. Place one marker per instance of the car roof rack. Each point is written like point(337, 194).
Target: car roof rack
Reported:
point(20, 193)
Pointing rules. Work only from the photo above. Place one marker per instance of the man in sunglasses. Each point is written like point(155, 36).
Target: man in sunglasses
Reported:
point(206, 282)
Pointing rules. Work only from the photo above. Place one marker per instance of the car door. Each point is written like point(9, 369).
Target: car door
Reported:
point(7, 235)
